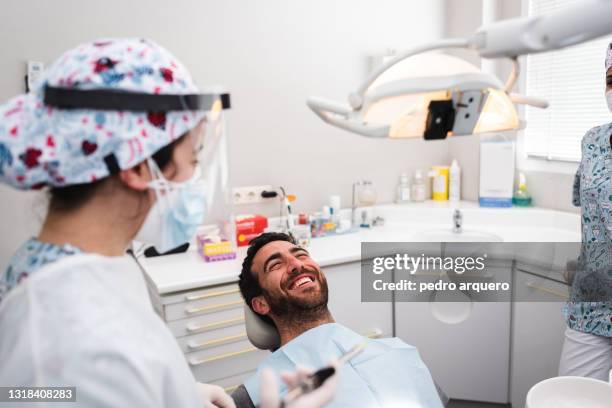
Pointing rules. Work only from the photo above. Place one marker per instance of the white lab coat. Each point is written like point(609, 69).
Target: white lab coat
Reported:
point(87, 321)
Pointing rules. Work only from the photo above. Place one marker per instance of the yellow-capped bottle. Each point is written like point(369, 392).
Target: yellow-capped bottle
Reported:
point(439, 188)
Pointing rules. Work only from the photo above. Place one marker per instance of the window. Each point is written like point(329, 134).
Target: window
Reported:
point(573, 81)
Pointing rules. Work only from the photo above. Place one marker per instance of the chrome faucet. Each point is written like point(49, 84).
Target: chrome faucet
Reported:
point(457, 221)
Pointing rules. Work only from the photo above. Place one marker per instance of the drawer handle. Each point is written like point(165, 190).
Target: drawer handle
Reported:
point(222, 323)
point(550, 291)
point(373, 334)
point(209, 295)
point(222, 356)
point(216, 342)
point(205, 309)
point(231, 388)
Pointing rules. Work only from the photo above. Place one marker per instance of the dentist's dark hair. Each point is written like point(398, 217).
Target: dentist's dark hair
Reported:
point(70, 198)
point(248, 281)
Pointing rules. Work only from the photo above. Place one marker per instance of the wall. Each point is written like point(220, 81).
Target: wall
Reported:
point(549, 183)
point(271, 55)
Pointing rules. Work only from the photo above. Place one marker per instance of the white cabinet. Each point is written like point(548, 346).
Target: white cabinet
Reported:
point(474, 357)
point(537, 334)
point(208, 324)
point(469, 358)
point(373, 319)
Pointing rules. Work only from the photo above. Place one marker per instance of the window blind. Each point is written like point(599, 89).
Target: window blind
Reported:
point(573, 81)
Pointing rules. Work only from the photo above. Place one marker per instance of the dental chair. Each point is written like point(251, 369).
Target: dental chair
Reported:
point(261, 334)
point(264, 336)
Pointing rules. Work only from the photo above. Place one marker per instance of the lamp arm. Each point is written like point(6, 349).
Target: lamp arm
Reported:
point(356, 98)
point(513, 75)
point(578, 23)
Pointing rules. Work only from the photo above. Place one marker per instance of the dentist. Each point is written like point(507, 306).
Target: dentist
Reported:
point(118, 134)
point(587, 349)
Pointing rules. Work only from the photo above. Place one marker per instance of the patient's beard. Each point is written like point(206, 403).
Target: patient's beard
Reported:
point(294, 315)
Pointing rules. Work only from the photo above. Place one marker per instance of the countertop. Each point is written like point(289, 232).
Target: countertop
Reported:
point(403, 223)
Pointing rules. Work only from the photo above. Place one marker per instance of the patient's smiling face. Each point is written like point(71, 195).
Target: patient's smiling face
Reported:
point(291, 280)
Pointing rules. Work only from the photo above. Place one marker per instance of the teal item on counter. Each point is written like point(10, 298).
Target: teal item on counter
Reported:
point(521, 197)
point(521, 201)
point(387, 373)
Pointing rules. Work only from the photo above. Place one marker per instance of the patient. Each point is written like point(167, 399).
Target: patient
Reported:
point(283, 285)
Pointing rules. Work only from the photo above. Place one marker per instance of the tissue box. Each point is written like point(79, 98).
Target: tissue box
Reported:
point(215, 251)
point(249, 227)
point(496, 173)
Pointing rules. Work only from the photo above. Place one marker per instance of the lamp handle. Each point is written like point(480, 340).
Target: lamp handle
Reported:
point(330, 112)
point(529, 100)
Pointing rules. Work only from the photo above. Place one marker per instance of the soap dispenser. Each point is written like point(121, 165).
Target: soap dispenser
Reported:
point(521, 197)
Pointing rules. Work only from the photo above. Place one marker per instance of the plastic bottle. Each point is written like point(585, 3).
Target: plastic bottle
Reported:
point(454, 182)
point(334, 204)
point(418, 186)
point(403, 190)
point(521, 197)
point(367, 195)
point(439, 185)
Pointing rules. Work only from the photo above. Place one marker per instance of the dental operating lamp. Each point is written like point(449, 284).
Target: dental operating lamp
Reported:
point(406, 98)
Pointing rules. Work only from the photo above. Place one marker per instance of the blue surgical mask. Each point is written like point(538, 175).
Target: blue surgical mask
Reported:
point(177, 212)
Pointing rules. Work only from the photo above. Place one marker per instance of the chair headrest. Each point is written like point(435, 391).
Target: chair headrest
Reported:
point(260, 333)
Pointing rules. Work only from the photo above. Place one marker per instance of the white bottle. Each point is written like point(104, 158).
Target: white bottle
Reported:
point(418, 186)
point(454, 182)
point(334, 204)
point(403, 189)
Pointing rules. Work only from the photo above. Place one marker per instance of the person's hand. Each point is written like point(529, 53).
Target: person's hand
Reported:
point(316, 399)
point(214, 396)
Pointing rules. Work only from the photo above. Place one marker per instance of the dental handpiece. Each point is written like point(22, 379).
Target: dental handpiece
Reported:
point(315, 380)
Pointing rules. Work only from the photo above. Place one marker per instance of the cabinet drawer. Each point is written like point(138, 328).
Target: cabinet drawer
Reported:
point(199, 294)
point(227, 351)
point(207, 322)
point(530, 288)
point(208, 303)
point(239, 358)
point(212, 338)
point(230, 364)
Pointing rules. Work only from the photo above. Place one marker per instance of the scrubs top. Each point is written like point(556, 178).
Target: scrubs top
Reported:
point(86, 321)
point(31, 256)
point(593, 193)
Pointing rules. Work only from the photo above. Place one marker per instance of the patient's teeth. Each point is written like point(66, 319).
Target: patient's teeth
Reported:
point(301, 281)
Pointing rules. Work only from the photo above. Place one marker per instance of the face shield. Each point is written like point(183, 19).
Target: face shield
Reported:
point(213, 165)
point(180, 207)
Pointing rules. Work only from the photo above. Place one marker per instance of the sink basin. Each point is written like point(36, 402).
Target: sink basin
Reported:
point(447, 235)
point(567, 392)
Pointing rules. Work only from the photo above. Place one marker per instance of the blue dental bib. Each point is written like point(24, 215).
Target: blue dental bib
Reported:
point(387, 374)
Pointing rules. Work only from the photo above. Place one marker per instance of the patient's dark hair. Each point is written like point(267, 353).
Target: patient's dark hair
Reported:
point(248, 282)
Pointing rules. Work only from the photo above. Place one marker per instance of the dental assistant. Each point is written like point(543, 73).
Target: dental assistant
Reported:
point(587, 349)
point(122, 152)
